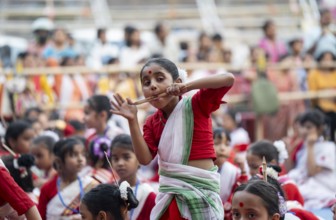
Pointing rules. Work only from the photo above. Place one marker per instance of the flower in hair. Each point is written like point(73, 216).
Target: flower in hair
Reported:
point(123, 190)
point(281, 148)
point(272, 173)
point(183, 74)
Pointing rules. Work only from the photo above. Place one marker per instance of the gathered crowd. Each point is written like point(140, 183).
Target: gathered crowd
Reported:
point(184, 153)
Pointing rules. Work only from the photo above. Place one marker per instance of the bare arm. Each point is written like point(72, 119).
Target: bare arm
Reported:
point(33, 214)
point(212, 82)
point(129, 111)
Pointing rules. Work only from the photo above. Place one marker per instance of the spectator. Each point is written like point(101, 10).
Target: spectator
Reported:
point(102, 50)
point(59, 48)
point(273, 47)
point(204, 47)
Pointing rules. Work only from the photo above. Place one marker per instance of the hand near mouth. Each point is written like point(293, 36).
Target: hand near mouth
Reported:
point(177, 89)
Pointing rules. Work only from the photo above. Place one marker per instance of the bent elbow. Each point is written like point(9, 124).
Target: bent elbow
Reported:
point(229, 79)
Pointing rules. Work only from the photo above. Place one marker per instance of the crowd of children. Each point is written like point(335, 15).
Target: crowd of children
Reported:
point(205, 171)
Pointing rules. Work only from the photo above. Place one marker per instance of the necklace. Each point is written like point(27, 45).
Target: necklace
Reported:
point(81, 192)
point(135, 194)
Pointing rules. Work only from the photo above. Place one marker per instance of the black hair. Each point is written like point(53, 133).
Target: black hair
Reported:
point(122, 141)
point(265, 149)
point(15, 129)
point(65, 146)
point(47, 142)
point(107, 198)
point(314, 116)
point(233, 114)
point(217, 132)
point(267, 24)
point(129, 32)
point(32, 109)
point(164, 63)
point(100, 103)
point(100, 31)
point(266, 191)
point(320, 57)
point(97, 149)
point(158, 28)
point(217, 37)
point(77, 125)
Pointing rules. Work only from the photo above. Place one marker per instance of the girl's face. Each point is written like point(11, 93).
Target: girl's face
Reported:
point(22, 144)
point(308, 128)
point(222, 148)
point(124, 162)
point(74, 161)
point(254, 162)
point(246, 206)
point(228, 122)
point(155, 80)
point(43, 157)
point(90, 117)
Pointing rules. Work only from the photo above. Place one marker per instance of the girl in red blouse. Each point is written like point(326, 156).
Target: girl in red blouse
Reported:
point(180, 132)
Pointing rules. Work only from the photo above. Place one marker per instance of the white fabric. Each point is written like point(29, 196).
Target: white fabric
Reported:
point(320, 189)
point(100, 52)
point(239, 136)
point(55, 208)
point(130, 57)
point(169, 50)
point(141, 194)
point(228, 176)
point(290, 216)
point(170, 153)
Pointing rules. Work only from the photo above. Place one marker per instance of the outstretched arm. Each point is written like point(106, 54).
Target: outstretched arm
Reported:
point(129, 111)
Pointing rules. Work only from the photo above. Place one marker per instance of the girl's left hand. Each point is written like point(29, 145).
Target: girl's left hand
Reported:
point(177, 89)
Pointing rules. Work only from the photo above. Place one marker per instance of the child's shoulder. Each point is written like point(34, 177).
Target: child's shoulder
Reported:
point(326, 145)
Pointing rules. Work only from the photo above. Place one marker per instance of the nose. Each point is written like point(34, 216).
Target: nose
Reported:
point(153, 86)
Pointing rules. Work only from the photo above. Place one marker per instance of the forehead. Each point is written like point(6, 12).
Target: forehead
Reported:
point(120, 150)
point(250, 157)
point(248, 200)
point(153, 69)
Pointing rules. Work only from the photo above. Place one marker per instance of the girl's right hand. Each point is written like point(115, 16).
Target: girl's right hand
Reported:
point(123, 107)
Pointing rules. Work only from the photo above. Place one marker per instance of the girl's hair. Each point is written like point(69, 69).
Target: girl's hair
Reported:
point(100, 103)
point(321, 55)
point(314, 116)
point(266, 191)
point(65, 146)
point(106, 198)
point(122, 141)
point(164, 63)
point(46, 141)
point(217, 132)
point(235, 115)
point(265, 149)
point(15, 129)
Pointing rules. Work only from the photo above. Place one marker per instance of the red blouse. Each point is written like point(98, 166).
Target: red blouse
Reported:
point(13, 194)
point(204, 102)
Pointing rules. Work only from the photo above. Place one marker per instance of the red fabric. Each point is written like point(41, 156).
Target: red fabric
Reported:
point(204, 102)
point(48, 191)
point(11, 193)
point(240, 147)
point(292, 192)
point(68, 130)
point(147, 208)
point(172, 212)
point(304, 214)
point(295, 151)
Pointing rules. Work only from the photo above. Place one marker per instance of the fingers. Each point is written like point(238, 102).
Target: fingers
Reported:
point(129, 101)
point(115, 106)
point(118, 99)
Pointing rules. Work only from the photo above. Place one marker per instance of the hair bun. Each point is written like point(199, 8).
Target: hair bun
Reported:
point(132, 200)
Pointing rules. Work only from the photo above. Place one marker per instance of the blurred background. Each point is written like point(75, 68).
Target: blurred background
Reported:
point(55, 54)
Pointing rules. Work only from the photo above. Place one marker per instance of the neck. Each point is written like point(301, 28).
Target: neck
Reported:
point(101, 128)
point(59, 44)
point(131, 180)
point(68, 178)
point(168, 109)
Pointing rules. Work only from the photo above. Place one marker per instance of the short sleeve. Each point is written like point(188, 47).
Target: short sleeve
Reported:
point(325, 155)
point(13, 194)
point(149, 137)
point(209, 100)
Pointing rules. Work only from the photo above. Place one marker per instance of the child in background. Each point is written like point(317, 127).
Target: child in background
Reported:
point(260, 149)
point(105, 202)
point(238, 135)
point(230, 175)
point(125, 163)
point(99, 168)
point(97, 113)
point(42, 149)
point(315, 169)
point(60, 197)
point(18, 137)
point(180, 133)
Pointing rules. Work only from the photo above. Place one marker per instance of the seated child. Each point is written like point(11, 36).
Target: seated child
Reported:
point(42, 149)
point(266, 149)
point(126, 165)
point(105, 202)
point(60, 196)
point(315, 169)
